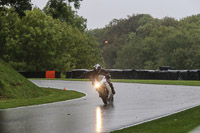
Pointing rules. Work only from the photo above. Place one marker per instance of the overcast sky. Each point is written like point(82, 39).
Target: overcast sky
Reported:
point(100, 12)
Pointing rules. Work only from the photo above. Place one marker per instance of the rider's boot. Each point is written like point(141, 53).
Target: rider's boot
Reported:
point(112, 88)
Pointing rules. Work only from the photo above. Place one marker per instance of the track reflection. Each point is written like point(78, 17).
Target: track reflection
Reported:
point(100, 113)
point(98, 119)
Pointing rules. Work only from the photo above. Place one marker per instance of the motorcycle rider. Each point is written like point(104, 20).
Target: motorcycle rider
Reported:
point(99, 71)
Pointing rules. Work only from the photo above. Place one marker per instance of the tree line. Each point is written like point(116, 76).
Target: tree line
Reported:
point(54, 38)
point(143, 42)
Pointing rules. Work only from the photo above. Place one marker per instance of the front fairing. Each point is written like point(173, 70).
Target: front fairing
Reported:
point(100, 83)
point(100, 86)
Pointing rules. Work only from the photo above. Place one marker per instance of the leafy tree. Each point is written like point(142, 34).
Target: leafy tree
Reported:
point(116, 34)
point(129, 56)
point(8, 24)
point(59, 9)
point(87, 52)
point(76, 3)
point(168, 21)
point(143, 42)
point(19, 5)
point(38, 42)
point(37, 38)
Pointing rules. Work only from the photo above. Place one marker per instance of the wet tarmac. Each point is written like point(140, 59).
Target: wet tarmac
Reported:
point(134, 104)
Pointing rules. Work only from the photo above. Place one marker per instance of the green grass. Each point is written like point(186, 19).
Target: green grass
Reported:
point(182, 122)
point(17, 91)
point(52, 95)
point(14, 86)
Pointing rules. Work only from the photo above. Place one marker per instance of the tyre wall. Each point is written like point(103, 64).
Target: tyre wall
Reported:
point(139, 74)
point(45, 74)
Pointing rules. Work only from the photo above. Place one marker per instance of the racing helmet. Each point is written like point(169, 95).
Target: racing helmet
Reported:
point(97, 67)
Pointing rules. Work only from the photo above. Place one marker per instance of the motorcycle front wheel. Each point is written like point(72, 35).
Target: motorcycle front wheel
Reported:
point(105, 96)
point(104, 100)
point(111, 99)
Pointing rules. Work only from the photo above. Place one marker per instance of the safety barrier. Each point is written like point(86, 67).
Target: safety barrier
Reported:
point(139, 74)
point(44, 74)
point(122, 74)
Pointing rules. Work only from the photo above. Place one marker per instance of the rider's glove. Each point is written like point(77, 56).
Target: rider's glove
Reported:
point(108, 76)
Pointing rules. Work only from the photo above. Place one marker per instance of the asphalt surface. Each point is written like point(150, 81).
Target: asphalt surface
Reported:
point(134, 104)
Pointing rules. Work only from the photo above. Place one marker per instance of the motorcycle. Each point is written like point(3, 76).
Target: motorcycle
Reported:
point(104, 90)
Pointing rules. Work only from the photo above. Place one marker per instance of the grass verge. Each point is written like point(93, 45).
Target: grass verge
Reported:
point(182, 122)
point(17, 91)
point(52, 95)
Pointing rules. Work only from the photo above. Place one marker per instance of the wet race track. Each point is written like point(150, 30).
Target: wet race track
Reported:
point(134, 104)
